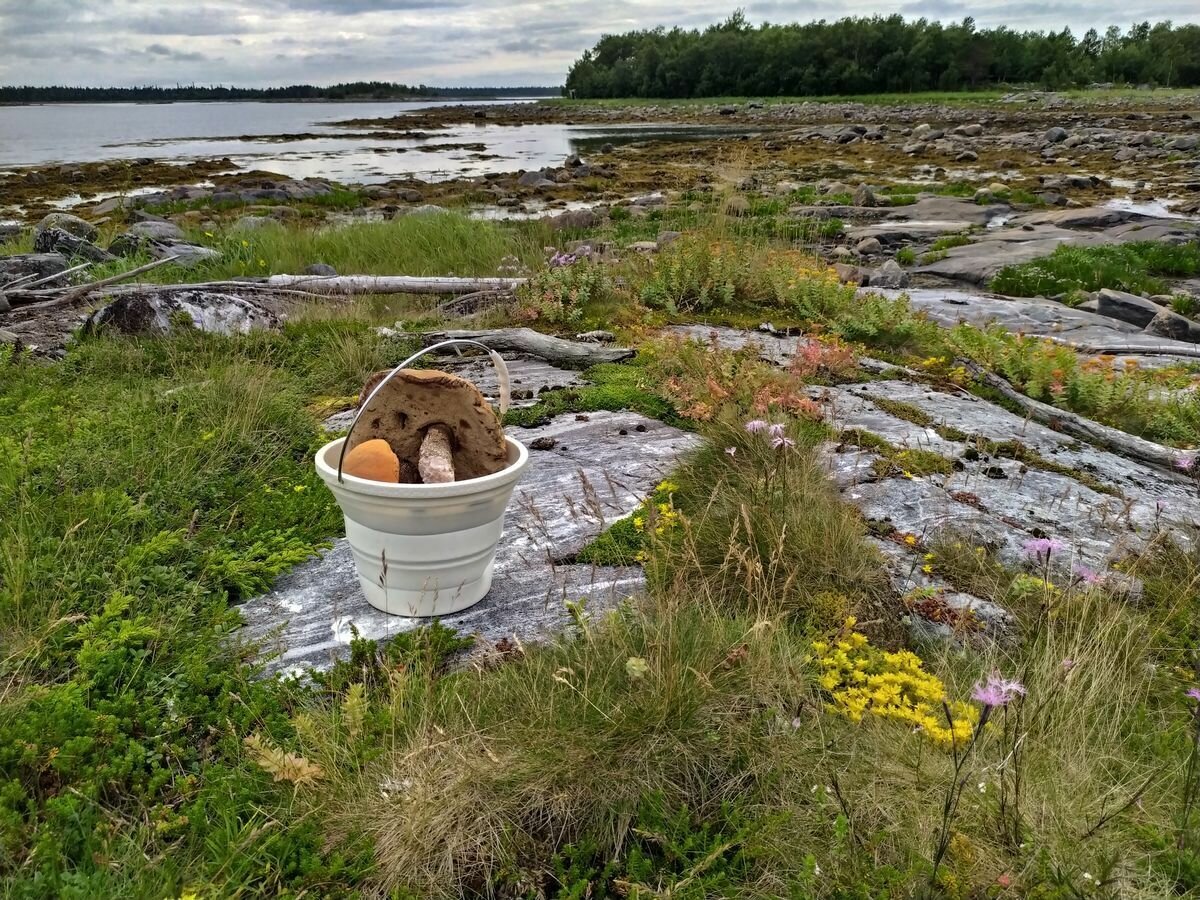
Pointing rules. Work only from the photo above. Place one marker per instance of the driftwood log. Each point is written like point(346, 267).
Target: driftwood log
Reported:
point(1118, 349)
point(1077, 426)
point(556, 350)
point(391, 284)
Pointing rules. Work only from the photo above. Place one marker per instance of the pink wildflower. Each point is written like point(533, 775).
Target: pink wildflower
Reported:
point(778, 430)
point(997, 691)
point(1186, 463)
point(1194, 693)
point(754, 426)
point(731, 451)
point(1042, 548)
point(782, 443)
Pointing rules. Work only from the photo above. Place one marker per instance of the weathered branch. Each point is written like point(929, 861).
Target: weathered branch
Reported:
point(544, 346)
point(1184, 350)
point(1077, 426)
point(392, 284)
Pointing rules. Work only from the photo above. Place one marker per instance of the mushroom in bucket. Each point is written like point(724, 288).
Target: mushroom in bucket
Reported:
point(425, 427)
point(423, 479)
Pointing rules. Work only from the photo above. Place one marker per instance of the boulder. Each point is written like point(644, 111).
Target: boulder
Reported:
point(575, 219)
point(41, 265)
point(972, 130)
point(252, 223)
point(1127, 307)
point(967, 156)
point(1171, 325)
point(864, 196)
point(56, 240)
point(1183, 142)
point(1055, 135)
point(848, 274)
point(167, 312)
point(532, 179)
point(869, 246)
point(141, 234)
point(72, 225)
point(150, 229)
point(889, 275)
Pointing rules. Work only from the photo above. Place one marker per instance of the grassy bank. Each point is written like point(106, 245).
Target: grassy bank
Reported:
point(1137, 267)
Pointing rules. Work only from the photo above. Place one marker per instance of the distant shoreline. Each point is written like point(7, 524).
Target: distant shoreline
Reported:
point(135, 102)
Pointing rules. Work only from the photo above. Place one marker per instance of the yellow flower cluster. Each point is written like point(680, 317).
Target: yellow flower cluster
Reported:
point(865, 680)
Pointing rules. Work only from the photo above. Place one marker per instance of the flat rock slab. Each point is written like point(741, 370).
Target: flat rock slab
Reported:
point(1004, 502)
point(529, 376)
point(600, 469)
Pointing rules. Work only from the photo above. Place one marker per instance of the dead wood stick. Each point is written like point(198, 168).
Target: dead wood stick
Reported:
point(1079, 427)
point(58, 297)
point(544, 346)
point(392, 284)
point(1188, 351)
point(26, 284)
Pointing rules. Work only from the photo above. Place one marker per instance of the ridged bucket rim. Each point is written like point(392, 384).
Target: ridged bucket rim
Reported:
point(355, 485)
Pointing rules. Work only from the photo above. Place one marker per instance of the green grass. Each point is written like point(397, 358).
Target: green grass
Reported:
point(949, 242)
point(436, 244)
point(124, 700)
point(1138, 267)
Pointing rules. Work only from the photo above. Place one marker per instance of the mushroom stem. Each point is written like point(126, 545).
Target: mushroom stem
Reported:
point(436, 463)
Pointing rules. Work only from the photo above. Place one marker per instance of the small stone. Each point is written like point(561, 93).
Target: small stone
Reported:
point(890, 275)
point(1056, 135)
point(864, 196)
point(543, 443)
point(869, 246)
point(322, 270)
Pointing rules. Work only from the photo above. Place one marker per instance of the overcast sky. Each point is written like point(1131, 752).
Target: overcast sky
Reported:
point(441, 42)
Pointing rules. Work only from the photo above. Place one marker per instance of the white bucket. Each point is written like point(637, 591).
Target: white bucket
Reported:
point(423, 549)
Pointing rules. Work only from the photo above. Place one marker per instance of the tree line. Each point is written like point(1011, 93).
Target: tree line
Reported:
point(356, 90)
point(877, 55)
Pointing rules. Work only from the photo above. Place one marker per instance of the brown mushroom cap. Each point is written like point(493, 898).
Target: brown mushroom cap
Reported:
point(373, 460)
point(417, 398)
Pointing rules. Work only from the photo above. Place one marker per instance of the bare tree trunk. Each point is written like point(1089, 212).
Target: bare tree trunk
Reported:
point(573, 354)
point(1077, 426)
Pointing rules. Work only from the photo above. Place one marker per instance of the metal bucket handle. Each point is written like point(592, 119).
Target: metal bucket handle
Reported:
point(497, 361)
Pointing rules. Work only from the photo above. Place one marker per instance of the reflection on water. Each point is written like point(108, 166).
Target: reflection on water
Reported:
point(67, 133)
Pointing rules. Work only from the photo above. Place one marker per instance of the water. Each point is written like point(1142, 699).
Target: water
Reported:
point(75, 133)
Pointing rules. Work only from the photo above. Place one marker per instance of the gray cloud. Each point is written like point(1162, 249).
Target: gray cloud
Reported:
point(451, 42)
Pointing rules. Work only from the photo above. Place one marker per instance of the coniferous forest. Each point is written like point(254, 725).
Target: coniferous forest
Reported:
point(878, 55)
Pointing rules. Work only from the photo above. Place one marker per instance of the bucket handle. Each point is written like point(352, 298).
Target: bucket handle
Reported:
point(497, 361)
